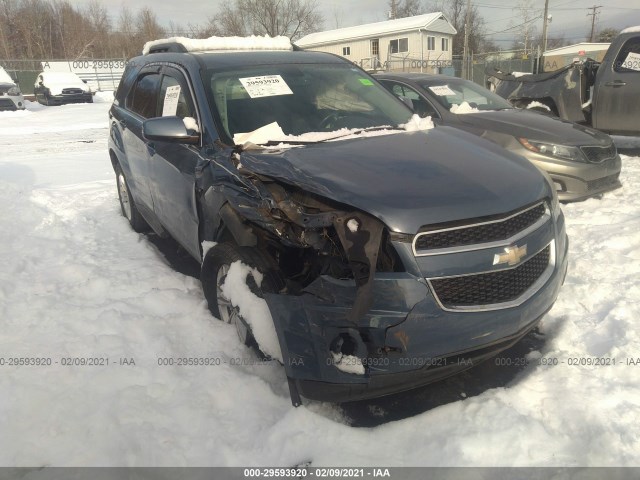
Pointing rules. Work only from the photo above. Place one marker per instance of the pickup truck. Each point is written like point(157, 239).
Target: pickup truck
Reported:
point(602, 95)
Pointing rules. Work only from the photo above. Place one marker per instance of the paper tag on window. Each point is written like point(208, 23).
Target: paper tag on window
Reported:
point(170, 106)
point(632, 62)
point(265, 86)
point(442, 90)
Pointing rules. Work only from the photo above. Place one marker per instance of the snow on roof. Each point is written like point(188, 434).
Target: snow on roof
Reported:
point(631, 29)
point(254, 42)
point(61, 77)
point(5, 77)
point(380, 28)
point(576, 48)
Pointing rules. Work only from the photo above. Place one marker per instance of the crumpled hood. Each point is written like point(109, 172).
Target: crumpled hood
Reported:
point(534, 126)
point(408, 180)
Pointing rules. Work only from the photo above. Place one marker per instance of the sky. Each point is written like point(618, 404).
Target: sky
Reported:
point(570, 17)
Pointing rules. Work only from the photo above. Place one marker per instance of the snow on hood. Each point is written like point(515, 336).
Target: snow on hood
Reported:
point(254, 42)
point(274, 133)
point(416, 123)
point(5, 77)
point(56, 81)
point(463, 108)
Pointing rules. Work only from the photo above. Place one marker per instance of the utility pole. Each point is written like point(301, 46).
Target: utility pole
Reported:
point(593, 19)
point(545, 26)
point(465, 53)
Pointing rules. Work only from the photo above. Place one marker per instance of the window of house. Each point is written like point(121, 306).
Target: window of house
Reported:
point(346, 51)
point(143, 99)
point(431, 43)
point(445, 44)
point(375, 47)
point(399, 45)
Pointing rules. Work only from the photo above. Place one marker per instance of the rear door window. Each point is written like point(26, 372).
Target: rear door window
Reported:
point(143, 98)
point(628, 60)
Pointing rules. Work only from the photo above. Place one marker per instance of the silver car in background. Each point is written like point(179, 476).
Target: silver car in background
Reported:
point(581, 161)
point(11, 98)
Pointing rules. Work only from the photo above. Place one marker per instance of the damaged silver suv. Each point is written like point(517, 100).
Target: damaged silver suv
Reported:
point(366, 250)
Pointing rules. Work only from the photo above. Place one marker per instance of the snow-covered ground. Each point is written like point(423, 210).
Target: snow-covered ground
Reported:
point(76, 282)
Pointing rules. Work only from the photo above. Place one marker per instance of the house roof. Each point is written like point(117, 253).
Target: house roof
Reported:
point(434, 22)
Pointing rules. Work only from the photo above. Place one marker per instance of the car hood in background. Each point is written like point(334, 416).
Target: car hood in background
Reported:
point(408, 180)
point(534, 126)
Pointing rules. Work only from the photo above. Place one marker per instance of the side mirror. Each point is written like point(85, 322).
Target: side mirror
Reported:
point(407, 101)
point(168, 129)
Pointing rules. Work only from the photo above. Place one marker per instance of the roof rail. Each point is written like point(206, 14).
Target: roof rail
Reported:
point(169, 47)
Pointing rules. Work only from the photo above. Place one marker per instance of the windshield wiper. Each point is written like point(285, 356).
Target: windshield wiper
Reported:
point(272, 143)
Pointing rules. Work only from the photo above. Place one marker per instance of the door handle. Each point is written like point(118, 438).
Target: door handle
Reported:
point(617, 83)
point(123, 124)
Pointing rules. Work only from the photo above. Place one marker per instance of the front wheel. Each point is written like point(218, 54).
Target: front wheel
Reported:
point(216, 268)
point(127, 205)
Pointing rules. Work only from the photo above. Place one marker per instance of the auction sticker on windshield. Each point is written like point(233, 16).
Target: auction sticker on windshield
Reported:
point(442, 90)
point(265, 86)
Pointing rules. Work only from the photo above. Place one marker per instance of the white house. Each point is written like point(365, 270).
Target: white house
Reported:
point(421, 43)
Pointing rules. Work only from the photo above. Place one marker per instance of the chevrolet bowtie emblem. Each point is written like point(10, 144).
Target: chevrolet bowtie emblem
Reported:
point(512, 255)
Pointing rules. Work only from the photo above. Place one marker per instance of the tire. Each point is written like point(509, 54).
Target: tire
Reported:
point(127, 205)
point(214, 267)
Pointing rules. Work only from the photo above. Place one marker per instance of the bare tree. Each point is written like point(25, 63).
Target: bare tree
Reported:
point(607, 35)
point(292, 18)
point(406, 8)
point(525, 25)
point(456, 11)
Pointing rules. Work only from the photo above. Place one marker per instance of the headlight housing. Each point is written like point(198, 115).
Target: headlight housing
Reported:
point(14, 91)
point(563, 152)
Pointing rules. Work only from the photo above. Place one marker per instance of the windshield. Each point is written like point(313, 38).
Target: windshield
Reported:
point(458, 92)
point(301, 99)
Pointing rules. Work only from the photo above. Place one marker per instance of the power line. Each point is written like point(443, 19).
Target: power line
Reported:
point(593, 19)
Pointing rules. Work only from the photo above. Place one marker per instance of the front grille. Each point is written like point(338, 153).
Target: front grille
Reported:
point(493, 287)
point(599, 154)
point(482, 233)
point(603, 182)
point(71, 91)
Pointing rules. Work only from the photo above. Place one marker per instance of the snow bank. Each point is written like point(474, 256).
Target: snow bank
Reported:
point(463, 108)
point(254, 42)
point(104, 97)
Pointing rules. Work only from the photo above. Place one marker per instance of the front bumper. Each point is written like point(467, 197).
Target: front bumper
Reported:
point(11, 103)
point(406, 340)
point(74, 98)
point(577, 181)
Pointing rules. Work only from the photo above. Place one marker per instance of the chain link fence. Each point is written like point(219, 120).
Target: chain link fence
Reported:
point(100, 74)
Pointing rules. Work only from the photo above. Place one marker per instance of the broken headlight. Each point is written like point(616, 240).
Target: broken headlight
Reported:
point(563, 152)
